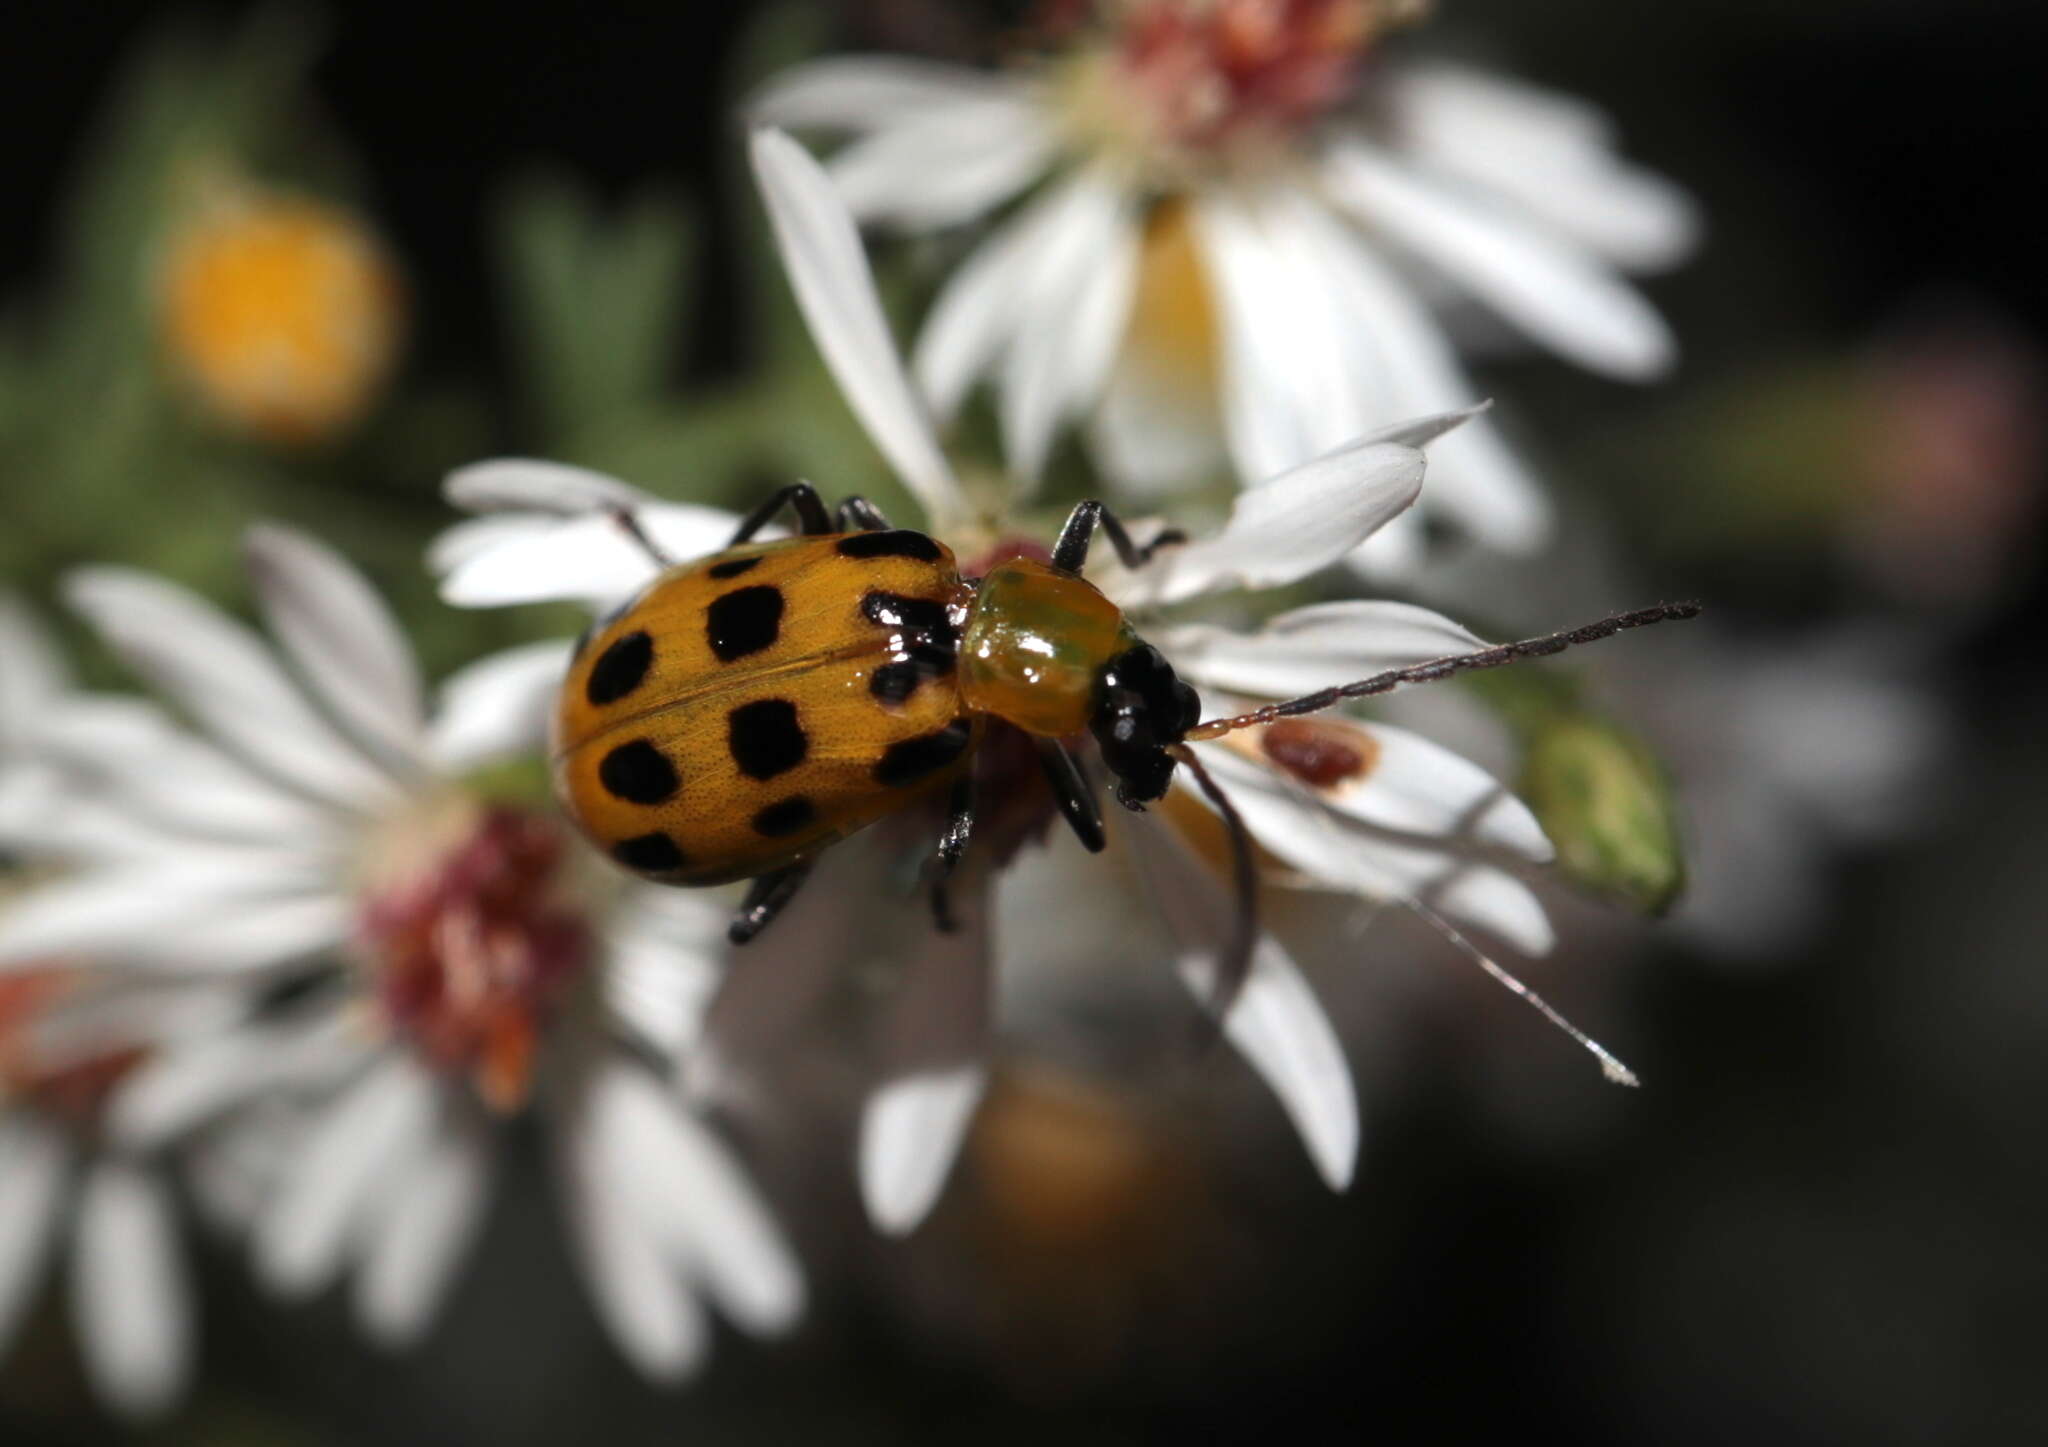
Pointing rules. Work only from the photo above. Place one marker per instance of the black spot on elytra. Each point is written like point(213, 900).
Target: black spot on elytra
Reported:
point(765, 738)
point(894, 543)
point(744, 621)
point(914, 759)
point(733, 567)
point(639, 773)
point(785, 817)
point(912, 615)
point(620, 669)
point(654, 853)
point(896, 680)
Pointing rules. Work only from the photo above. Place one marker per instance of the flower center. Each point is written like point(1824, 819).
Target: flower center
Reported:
point(1189, 80)
point(476, 948)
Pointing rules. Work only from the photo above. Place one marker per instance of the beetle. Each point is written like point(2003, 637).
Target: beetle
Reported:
point(749, 709)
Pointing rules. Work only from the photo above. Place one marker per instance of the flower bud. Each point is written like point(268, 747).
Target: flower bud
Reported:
point(1606, 803)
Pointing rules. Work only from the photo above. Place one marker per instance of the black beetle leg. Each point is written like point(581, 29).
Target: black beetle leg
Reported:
point(629, 522)
point(858, 515)
point(799, 497)
point(1073, 793)
point(952, 845)
point(766, 898)
point(1071, 551)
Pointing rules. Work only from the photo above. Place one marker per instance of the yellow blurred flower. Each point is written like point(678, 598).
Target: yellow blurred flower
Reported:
point(282, 313)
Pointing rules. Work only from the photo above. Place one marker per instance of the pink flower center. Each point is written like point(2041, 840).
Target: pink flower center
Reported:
point(1212, 74)
point(477, 951)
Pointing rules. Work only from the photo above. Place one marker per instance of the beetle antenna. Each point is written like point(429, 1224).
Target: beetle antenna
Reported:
point(1234, 965)
point(1437, 668)
point(1610, 1064)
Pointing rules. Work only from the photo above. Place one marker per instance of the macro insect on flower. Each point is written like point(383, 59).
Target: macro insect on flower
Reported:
point(750, 708)
point(753, 707)
point(1391, 817)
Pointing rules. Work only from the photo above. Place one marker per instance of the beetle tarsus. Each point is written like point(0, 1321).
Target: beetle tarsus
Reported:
point(800, 498)
point(766, 898)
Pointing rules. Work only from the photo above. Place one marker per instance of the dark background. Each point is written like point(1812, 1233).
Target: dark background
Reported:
point(1828, 1219)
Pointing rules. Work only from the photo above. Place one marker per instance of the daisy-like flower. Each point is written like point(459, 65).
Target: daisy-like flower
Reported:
point(68, 1037)
point(410, 957)
point(1243, 209)
point(1346, 806)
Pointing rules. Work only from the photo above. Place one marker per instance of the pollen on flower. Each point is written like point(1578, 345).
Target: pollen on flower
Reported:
point(1173, 331)
point(281, 313)
point(477, 947)
point(1320, 752)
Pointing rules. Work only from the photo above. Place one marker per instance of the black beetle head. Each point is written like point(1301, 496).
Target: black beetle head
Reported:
point(1142, 709)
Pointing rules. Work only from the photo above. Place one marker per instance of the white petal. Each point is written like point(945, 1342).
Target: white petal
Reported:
point(910, 1135)
point(855, 92)
point(31, 674)
point(129, 1291)
point(343, 638)
point(947, 166)
point(221, 674)
point(648, 1309)
point(1473, 476)
point(692, 1195)
point(303, 1235)
point(136, 910)
point(588, 558)
point(1279, 370)
point(1311, 648)
point(34, 1165)
point(498, 706)
point(185, 1086)
point(173, 777)
point(668, 958)
point(1276, 1023)
point(1075, 308)
point(521, 484)
point(933, 1051)
point(821, 251)
point(422, 1232)
point(1548, 153)
point(1332, 847)
point(978, 310)
point(1419, 787)
point(1154, 431)
point(1286, 529)
point(251, 935)
point(1562, 298)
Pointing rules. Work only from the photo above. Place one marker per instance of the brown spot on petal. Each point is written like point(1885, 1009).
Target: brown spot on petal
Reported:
point(1319, 752)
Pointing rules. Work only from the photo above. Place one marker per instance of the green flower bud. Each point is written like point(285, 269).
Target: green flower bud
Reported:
point(1607, 804)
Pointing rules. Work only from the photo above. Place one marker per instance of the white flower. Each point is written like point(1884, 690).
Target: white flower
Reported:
point(1399, 826)
point(1244, 210)
point(68, 1036)
point(451, 955)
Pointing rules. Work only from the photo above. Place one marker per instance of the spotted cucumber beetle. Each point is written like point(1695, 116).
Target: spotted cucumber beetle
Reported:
point(751, 708)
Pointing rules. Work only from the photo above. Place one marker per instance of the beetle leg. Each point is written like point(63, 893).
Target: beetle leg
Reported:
point(765, 899)
point(1071, 551)
point(801, 498)
point(1072, 792)
point(952, 845)
point(629, 523)
point(858, 515)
